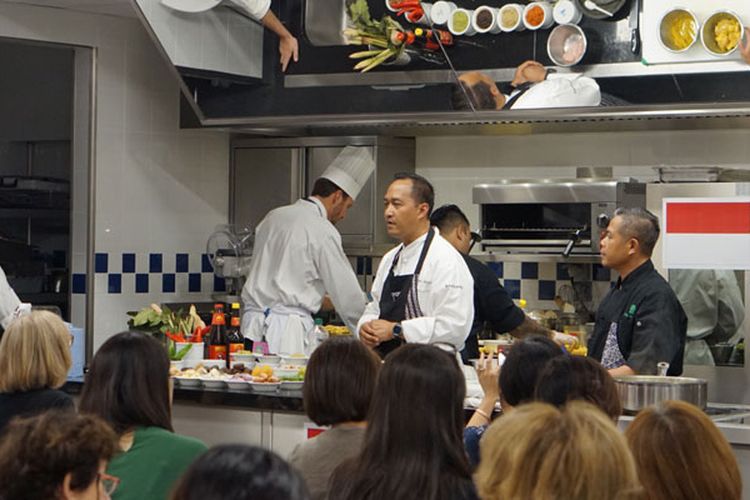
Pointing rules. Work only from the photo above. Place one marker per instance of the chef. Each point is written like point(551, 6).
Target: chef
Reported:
point(10, 305)
point(298, 259)
point(423, 290)
point(640, 322)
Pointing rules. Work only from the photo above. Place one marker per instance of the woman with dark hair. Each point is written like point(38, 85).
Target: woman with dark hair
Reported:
point(57, 456)
point(240, 472)
point(128, 386)
point(338, 388)
point(412, 446)
point(569, 378)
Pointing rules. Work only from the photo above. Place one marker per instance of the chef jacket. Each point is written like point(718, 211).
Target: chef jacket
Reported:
point(10, 304)
point(297, 259)
point(559, 90)
point(713, 302)
point(644, 321)
point(492, 306)
point(256, 9)
point(445, 292)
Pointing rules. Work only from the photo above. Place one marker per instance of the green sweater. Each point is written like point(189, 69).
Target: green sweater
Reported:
point(151, 467)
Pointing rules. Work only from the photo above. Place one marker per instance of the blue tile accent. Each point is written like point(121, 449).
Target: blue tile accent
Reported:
point(513, 287)
point(194, 282)
point(368, 265)
point(562, 271)
point(167, 283)
point(497, 267)
point(219, 284)
point(128, 263)
point(141, 283)
point(206, 264)
point(547, 290)
point(79, 283)
point(101, 261)
point(529, 270)
point(181, 260)
point(114, 283)
point(600, 273)
point(155, 263)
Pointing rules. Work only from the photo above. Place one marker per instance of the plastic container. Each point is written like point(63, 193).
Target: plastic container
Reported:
point(484, 20)
point(510, 11)
point(547, 19)
point(441, 12)
point(460, 23)
point(566, 12)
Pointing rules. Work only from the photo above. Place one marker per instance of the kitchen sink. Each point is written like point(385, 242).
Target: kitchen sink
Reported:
point(325, 21)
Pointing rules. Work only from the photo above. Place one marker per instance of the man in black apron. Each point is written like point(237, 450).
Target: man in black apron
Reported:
point(423, 291)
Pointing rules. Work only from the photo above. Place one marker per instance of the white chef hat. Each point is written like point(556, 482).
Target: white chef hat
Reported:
point(191, 6)
point(350, 170)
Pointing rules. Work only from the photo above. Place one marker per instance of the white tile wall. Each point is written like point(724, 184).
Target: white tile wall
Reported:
point(159, 188)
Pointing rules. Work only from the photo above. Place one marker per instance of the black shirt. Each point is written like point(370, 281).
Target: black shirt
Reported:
point(30, 403)
point(651, 324)
point(492, 305)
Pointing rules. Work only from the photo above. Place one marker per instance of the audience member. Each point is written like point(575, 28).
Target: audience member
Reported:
point(681, 455)
point(488, 373)
point(412, 446)
point(34, 362)
point(58, 455)
point(128, 386)
point(541, 452)
point(240, 472)
point(569, 378)
point(525, 361)
point(338, 388)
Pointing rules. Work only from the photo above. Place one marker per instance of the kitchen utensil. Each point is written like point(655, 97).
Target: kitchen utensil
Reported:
point(633, 23)
point(708, 36)
point(666, 27)
point(639, 391)
point(592, 6)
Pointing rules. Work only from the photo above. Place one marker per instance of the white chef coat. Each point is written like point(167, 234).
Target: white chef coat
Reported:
point(256, 9)
point(297, 259)
point(445, 292)
point(10, 304)
point(560, 90)
point(713, 303)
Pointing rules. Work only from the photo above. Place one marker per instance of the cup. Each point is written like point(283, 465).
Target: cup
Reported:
point(441, 12)
point(460, 23)
point(532, 9)
point(510, 12)
point(484, 20)
point(566, 12)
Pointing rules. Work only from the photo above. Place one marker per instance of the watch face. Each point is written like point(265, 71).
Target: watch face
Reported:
point(396, 329)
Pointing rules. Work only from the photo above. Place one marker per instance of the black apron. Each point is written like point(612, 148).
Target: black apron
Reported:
point(399, 300)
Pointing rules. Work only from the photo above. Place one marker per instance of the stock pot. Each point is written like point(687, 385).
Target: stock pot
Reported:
point(639, 391)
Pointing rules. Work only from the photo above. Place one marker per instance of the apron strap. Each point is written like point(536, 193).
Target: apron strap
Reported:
point(413, 309)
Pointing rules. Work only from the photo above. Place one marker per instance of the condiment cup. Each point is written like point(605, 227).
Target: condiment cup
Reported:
point(441, 12)
point(708, 39)
point(518, 26)
point(469, 30)
point(492, 27)
point(665, 37)
point(547, 20)
point(566, 12)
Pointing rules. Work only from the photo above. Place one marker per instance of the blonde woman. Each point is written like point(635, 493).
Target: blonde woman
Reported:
point(539, 452)
point(34, 362)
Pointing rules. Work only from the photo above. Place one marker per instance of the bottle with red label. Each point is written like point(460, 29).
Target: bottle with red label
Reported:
point(235, 340)
point(217, 340)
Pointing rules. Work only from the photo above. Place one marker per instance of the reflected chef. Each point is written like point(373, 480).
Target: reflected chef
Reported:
point(640, 322)
point(10, 305)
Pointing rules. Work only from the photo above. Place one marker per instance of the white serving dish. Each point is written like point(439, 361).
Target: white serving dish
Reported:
point(291, 385)
point(493, 27)
point(469, 31)
point(238, 385)
point(176, 364)
point(548, 19)
point(212, 363)
point(268, 359)
point(265, 386)
point(213, 383)
point(285, 372)
point(188, 381)
point(294, 360)
point(519, 23)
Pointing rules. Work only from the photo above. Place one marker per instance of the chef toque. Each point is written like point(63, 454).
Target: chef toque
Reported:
point(191, 6)
point(350, 170)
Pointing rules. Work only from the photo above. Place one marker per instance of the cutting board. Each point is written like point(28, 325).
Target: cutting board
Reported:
point(654, 10)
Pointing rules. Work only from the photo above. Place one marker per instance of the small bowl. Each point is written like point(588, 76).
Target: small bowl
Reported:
point(291, 385)
point(468, 30)
point(212, 363)
point(441, 12)
point(265, 386)
point(188, 381)
point(238, 385)
point(294, 360)
point(213, 383)
point(491, 14)
point(708, 37)
point(566, 45)
point(285, 372)
point(566, 12)
point(667, 21)
point(176, 364)
point(268, 359)
point(518, 26)
point(547, 19)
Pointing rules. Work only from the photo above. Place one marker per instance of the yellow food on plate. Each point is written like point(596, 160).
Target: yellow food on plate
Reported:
point(682, 31)
point(262, 371)
point(727, 34)
point(336, 330)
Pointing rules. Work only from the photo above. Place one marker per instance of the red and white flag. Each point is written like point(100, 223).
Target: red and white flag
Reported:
point(706, 233)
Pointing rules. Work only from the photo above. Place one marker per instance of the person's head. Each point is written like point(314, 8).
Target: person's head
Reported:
point(336, 201)
point(480, 89)
point(680, 454)
point(240, 472)
point(525, 361)
point(331, 398)
point(539, 451)
point(35, 353)
point(128, 383)
point(57, 455)
point(572, 378)
point(629, 239)
point(454, 226)
point(408, 204)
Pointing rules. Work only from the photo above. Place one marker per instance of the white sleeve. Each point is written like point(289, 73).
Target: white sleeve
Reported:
point(372, 309)
point(256, 9)
point(561, 90)
point(340, 281)
point(450, 303)
point(9, 301)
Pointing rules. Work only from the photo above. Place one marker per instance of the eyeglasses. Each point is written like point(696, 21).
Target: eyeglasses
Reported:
point(109, 483)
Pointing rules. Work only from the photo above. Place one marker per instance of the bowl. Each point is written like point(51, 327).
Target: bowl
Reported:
point(285, 372)
point(213, 383)
point(678, 30)
point(265, 386)
point(188, 381)
point(721, 33)
point(566, 45)
point(268, 359)
point(441, 12)
point(177, 365)
point(566, 12)
point(531, 11)
point(460, 22)
point(510, 17)
point(212, 363)
point(291, 385)
point(294, 360)
point(484, 20)
point(238, 385)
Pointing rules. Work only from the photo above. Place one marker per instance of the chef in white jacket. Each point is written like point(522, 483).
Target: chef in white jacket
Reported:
point(260, 10)
point(298, 259)
point(423, 291)
point(10, 305)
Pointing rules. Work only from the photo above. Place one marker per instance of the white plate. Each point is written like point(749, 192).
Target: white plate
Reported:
point(239, 385)
point(188, 381)
point(265, 387)
point(294, 360)
point(268, 359)
point(213, 383)
point(290, 385)
point(285, 372)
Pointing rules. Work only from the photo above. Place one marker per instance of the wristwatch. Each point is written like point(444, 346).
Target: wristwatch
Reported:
point(397, 331)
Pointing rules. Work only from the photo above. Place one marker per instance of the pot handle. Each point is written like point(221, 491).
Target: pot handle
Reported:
point(661, 368)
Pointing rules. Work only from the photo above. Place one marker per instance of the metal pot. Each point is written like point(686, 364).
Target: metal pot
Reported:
point(639, 391)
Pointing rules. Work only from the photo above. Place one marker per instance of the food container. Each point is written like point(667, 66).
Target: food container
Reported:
point(265, 386)
point(212, 363)
point(532, 13)
point(188, 381)
point(291, 385)
point(423, 18)
point(721, 33)
point(566, 12)
point(566, 46)
point(213, 383)
point(286, 371)
point(484, 20)
point(175, 365)
point(268, 359)
point(460, 23)
point(238, 385)
point(441, 12)
point(193, 356)
point(294, 360)
point(678, 30)
point(639, 391)
point(510, 17)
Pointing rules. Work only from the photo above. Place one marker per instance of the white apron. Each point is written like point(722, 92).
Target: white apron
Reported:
point(288, 330)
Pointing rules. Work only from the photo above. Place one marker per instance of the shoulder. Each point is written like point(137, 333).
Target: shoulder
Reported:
point(157, 436)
